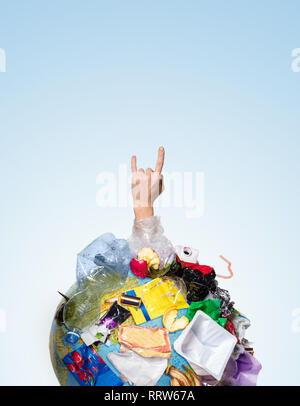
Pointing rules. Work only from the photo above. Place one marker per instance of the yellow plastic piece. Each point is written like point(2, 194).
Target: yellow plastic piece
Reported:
point(157, 296)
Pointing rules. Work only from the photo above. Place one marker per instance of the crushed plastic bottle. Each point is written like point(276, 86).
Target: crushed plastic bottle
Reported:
point(101, 268)
point(106, 250)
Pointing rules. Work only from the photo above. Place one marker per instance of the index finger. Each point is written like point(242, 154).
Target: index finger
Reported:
point(160, 160)
point(133, 164)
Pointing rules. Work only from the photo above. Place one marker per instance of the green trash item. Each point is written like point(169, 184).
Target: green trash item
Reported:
point(83, 307)
point(209, 306)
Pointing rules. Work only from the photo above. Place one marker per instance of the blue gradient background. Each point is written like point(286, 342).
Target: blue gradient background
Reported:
point(90, 83)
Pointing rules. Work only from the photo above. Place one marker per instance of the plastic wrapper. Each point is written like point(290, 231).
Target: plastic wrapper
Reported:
point(146, 341)
point(112, 319)
point(101, 267)
point(157, 296)
point(149, 233)
point(89, 369)
point(138, 370)
point(102, 329)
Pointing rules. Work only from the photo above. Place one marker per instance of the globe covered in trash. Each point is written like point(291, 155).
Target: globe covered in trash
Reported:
point(145, 313)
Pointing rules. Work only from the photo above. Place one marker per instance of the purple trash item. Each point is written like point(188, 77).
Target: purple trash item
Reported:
point(243, 371)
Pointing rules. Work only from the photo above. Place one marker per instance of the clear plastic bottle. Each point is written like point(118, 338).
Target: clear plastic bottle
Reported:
point(102, 267)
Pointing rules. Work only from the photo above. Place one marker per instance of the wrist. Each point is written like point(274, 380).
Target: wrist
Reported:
point(143, 212)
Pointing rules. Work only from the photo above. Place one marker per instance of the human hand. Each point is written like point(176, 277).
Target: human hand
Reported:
point(146, 186)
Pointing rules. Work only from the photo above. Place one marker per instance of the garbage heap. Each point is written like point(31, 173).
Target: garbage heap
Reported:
point(145, 313)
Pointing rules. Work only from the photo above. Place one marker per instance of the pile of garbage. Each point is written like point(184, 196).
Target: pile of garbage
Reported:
point(145, 313)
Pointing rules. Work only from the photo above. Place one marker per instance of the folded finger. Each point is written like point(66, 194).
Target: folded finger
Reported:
point(149, 171)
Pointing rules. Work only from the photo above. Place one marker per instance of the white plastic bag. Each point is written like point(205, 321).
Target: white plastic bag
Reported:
point(149, 233)
point(140, 371)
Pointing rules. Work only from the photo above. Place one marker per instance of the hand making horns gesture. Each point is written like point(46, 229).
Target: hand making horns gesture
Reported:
point(146, 186)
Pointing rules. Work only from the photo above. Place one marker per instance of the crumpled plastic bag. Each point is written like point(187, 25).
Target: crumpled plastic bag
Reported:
point(140, 371)
point(242, 371)
point(149, 233)
point(102, 267)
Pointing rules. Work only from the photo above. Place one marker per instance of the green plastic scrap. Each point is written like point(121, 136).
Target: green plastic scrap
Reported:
point(210, 307)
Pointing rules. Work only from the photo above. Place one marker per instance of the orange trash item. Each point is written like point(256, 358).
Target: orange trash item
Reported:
point(146, 341)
